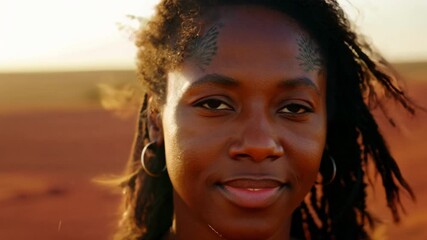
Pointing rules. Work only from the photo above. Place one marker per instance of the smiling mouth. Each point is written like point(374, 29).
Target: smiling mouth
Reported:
point(252, 193)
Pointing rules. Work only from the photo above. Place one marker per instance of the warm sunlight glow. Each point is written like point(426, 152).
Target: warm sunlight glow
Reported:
point(63, 34)
point(397, 28)
point(77, 35)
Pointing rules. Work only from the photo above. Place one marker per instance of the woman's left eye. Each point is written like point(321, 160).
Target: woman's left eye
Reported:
point(213, 104)
point(295, 109)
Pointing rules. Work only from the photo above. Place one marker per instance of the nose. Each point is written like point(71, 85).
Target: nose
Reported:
point(257, 141)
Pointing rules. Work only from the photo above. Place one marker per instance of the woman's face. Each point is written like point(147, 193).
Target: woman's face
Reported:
point(244, 125)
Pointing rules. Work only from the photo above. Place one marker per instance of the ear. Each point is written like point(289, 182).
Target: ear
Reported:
point(154, 124)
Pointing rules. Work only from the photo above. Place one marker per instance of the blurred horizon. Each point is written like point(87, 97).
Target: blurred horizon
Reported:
point(53, 90)
point(417, 65)
point(94, 35)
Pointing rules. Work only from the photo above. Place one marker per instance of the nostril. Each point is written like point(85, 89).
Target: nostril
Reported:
point(273, 157)
point(255, 155)
point(256, 145)
point(241, 156)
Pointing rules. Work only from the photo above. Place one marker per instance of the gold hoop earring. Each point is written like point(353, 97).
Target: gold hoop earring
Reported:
point(150, 173)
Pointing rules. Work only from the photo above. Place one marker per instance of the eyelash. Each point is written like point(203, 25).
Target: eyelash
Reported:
point(205, 104)
point(219, 105)
point(305, 109)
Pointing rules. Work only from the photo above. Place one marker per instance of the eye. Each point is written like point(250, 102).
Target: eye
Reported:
point(213, 104)
point(295, 108)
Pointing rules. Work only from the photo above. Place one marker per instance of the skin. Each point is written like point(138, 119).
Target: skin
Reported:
point(254, 109)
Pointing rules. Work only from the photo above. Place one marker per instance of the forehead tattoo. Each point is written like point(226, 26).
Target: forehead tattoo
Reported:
point(202, 49)
point(308, 54)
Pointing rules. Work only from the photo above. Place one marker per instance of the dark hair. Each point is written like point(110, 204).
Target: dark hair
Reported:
point(355, 76)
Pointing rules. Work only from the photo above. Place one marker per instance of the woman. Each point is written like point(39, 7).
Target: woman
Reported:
point(256, 125)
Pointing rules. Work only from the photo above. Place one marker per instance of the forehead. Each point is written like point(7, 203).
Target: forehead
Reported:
point(246, 19)
point(249, 35)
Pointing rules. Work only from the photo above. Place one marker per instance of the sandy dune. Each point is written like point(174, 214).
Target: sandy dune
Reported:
point(48, 161)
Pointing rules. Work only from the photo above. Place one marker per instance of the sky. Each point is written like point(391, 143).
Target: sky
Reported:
point(58, 35)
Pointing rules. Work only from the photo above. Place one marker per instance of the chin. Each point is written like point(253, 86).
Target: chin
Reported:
point(257, 229)
point(249, 234)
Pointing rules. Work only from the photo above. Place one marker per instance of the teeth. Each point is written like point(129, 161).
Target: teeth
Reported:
point(253, 189)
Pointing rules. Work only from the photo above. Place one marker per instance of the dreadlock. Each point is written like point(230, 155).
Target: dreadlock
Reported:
point(355, 76)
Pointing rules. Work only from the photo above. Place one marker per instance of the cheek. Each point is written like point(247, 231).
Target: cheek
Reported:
point(182, 161)
point(305, 149)
point(303, 164)
point(189, 170)
point(188, 149)
point(308, 164)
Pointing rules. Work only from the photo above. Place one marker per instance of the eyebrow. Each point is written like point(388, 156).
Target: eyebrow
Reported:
point(299, 82)
point(215, 79)
point(221, 80)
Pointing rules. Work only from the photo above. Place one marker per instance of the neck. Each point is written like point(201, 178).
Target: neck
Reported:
point(188, 226)
point(173, 235)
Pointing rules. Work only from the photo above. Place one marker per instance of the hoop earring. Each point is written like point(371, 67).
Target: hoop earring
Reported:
point(334, 172)
point(143, 161)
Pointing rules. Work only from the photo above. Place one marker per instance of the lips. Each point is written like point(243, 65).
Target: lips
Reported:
point(252, 193)
point(253, 183)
